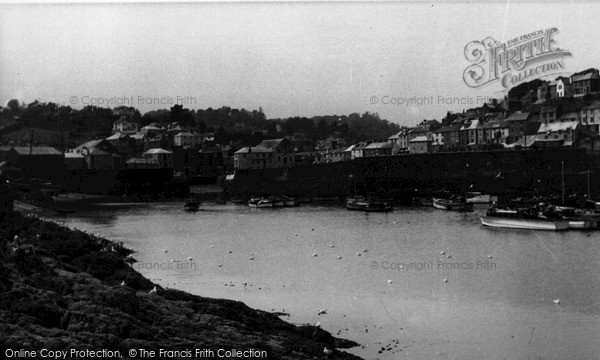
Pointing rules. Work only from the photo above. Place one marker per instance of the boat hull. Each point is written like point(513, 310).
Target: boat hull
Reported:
point(482, 199)
point(528, 224)
point(444, 204)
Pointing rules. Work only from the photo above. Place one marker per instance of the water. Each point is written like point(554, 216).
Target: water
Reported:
point(490, 295)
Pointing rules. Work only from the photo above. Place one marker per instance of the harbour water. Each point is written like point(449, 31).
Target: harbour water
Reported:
point(417, 283)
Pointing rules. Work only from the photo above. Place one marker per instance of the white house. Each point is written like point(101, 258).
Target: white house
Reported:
point(187, 139)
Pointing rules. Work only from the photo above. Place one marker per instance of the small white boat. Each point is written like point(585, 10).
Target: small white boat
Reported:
point(520, 223)
point(458, 204)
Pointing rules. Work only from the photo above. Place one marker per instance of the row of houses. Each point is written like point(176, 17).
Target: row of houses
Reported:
point(577, 85)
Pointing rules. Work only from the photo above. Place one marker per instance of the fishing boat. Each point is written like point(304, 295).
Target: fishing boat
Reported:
point(529, 219)
point(289, 202)
point(356, 203)
point(260, 203)
point(191, 205)
point(580, 219)
point(457, 203)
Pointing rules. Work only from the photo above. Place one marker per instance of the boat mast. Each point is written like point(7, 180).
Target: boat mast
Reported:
point(562, 172)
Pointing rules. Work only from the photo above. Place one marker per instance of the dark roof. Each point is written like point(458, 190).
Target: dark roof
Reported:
point(518, 116)
point(449, 128)
point(271, 143)
point(36, 150)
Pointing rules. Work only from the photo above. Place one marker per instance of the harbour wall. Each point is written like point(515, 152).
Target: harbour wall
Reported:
point(403, 176)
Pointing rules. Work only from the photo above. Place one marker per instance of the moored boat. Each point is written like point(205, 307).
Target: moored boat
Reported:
point(458, 203)
point(289, 202)
point(479, 198)
point(529, 219)
point(276, 201)
point(357, 203)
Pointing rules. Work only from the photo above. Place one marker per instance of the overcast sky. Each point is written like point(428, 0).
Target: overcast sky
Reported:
point(291, 59)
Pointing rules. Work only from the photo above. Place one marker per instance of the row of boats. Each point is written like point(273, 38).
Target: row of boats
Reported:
point(541, 216)
point(273, 202)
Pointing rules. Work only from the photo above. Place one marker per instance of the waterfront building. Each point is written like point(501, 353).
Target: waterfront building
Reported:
point(419, 145)
point(34, 161)
point(99, 154)
point(378, 149)
point(558, 134)
point(254, 157)
point(283, 152)
point(357, 150)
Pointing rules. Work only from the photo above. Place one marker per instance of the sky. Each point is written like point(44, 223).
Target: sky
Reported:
point(291, 59)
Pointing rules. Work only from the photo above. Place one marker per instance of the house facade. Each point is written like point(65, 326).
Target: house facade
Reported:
point(585, 83)
point(419, 145)
point(254, 158)
point(187, 139)
point(378, 149)
point(590, 117)
point(283, 152)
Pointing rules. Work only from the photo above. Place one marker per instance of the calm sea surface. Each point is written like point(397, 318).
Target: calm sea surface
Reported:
point(417, 283)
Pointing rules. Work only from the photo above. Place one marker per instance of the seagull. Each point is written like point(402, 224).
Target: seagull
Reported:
point(327, 351)
point(443, 253)
point(251, 258)
point(557, 301)
point(389, 281)
point(153, 291)
point(190, 258)
point(365, 250)
point(123, 283)
point(315, 254)
point(339, 257)
point(445, 280)
point(318, 324)
point(165, 250)
point(331, 245)
point(358, 254)
point(322, 312)
point(220, 265)
point(490, 256)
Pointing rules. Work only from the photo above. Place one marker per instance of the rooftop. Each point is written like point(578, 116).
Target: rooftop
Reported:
point(254, 149)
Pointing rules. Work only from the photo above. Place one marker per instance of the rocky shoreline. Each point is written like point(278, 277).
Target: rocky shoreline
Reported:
point(63, 289)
